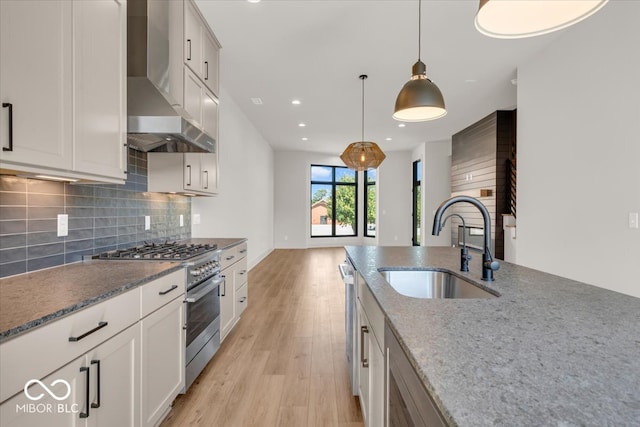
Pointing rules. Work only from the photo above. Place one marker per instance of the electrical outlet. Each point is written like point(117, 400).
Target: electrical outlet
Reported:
point(147, 222)
point(633, 219)
point(181, 220)
point(63, 225)
point(196, 219)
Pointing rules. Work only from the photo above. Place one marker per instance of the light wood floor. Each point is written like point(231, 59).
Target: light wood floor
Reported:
point(284, 363)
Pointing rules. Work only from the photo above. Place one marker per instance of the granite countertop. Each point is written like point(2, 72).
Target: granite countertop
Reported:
point(548, 352)
point(33, 299)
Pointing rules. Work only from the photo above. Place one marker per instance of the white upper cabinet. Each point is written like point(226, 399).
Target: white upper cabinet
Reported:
point(36, 83)
point(100, 95)
point(201, 49)
point(62, 87)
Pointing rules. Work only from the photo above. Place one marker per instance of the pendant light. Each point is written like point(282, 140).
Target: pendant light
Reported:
point(512, 19)
point(419, 99)
point(362, 155)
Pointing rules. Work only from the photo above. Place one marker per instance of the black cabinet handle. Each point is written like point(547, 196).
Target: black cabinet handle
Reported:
point(206, 186)
point(224, 283)
point(10, 106)
point(206, 70)
point(78, 338)
point(86, 414)
point(189, 182)
point(229, 258)
point(168, 290)
point(188, 49)
point(97, 403)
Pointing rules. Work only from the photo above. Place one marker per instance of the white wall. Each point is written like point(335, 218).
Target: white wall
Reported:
point(436, 187)
point(292, 228)
point(292, 199)
point(579, 152)
point(244, 205)
point(395, 176)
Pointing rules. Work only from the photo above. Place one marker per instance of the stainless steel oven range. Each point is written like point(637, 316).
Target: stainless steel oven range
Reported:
point(202, 301)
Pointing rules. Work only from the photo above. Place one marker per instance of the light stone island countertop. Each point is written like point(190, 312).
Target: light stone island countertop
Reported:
point(548, 352)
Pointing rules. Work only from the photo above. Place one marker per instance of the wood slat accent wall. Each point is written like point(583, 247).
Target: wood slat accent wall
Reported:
point(479, 161)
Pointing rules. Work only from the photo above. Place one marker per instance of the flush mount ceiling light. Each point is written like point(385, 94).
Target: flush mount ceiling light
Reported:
point(362, 155)
point(512, 19)
point(419, 99)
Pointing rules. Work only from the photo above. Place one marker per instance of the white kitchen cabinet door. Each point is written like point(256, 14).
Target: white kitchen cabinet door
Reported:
point(208, 172)
point(211, 54)
point(193, 89)
point(210, 113)
point(363, 343)
point(116, 379)
point(227, 304)
point(163, 350)
point(36, 80)
point(192, 38)
point(100, 45)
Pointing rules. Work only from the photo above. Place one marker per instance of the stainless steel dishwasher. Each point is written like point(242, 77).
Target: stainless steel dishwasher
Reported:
point(349, 277)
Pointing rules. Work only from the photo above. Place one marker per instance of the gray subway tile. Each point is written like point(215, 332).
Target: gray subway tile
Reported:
point(13, 268)
point(13, 255)
point(13, 183)
point(43, 237)
point(78, 245)
point(85, 190)
point(47, 200)
point(13, 199)
point(44, 187)
point(13, 227)
point(13, 241)
point(45, 262)
point(84, 212)
point(80, 223)
point(40, 251)
point(35, 225)
point(80, 234)
point(41, 212)
point(13, 212)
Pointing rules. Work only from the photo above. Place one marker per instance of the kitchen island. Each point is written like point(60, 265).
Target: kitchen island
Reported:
point(547, 351)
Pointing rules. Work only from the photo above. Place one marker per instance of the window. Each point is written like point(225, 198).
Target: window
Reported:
point(370, 202)
point(417, 201)
point(334, 204)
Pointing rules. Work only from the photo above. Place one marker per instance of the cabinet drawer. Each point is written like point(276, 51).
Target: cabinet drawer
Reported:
point(240, 273)
point(374, 313)
point(161, 291)
point(228, 257)
point(241, 249)
point(242, 298)
point(39, 352)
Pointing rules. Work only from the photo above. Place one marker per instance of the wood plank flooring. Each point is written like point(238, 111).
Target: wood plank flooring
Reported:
point(284, 363)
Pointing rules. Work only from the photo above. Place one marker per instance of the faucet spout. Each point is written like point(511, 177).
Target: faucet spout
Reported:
point(488, 264)
point(464, 252)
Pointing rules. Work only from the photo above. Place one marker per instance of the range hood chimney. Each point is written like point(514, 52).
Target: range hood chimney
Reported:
point(156, 120)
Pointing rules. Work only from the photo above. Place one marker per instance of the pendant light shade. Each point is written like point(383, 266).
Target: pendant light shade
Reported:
point(419, 99)
point(362, 155)
point(511, 19)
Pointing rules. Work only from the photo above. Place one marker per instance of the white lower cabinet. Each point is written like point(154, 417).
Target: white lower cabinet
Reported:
point(234, 291)
point(162, 360)
point(100, 388)
point(117, 363)
point(371, 366)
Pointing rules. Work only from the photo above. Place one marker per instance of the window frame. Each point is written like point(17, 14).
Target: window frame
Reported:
point(366, 201)
point(334, 184)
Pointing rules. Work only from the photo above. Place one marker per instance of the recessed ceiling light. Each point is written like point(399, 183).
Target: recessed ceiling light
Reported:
point(388, 139)
point(296, 102)
point(301, 125)
point(471, 81)
point(256, 101)
point(401, 125)
point(305, 138)
point(253, 1)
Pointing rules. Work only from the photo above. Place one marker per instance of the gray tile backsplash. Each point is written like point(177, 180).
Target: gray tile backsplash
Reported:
point(101, 217)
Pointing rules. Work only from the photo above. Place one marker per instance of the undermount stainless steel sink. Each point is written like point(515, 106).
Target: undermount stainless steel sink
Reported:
point(429, 283)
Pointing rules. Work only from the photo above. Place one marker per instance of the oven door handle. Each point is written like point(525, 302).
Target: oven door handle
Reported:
point(204, 291)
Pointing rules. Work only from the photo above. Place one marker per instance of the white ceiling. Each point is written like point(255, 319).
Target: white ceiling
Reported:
point(314, 51)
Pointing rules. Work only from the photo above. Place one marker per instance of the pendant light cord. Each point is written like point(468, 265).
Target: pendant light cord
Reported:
point(363, 77)
point(419, 27)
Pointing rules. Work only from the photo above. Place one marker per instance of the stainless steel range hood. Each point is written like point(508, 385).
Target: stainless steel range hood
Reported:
point(156, 120)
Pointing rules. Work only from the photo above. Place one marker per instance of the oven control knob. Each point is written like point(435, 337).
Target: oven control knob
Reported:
point(195, 272)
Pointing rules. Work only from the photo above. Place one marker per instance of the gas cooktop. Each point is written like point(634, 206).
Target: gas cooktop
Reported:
point(159, 251)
